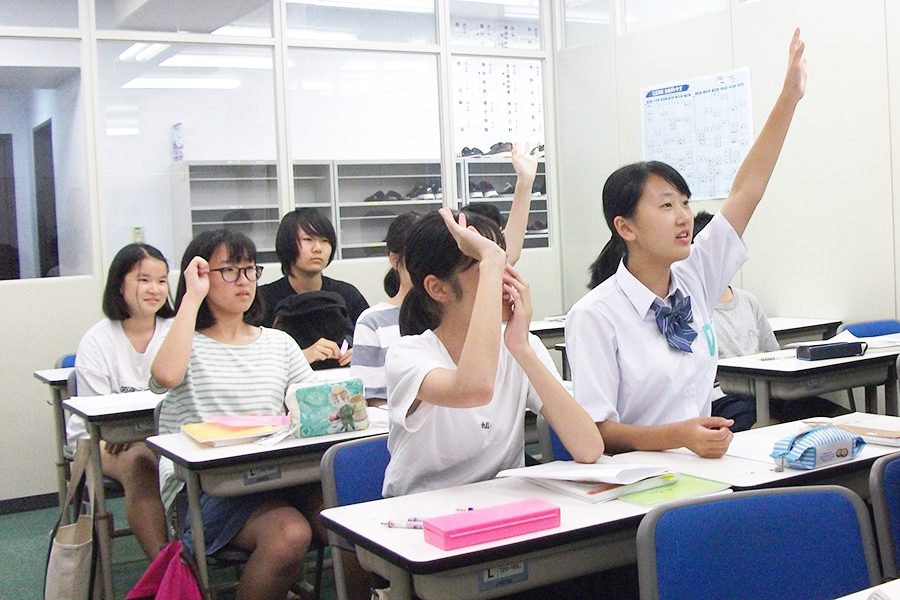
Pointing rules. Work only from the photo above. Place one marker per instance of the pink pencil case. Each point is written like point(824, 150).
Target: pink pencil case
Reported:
point(488, 524)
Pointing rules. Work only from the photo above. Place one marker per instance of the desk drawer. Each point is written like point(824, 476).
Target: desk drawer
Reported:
point(262, 476)
point(124, 432)
point(821, 384)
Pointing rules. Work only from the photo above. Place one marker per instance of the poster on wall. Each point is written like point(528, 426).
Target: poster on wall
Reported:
point(497, 100)
point(703, 127)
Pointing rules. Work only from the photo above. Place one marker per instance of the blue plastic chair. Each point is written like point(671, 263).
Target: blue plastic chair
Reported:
point(352, 472)
point(873, 328)
point(779, 544)
point(552, 447)
point(884, 488)
point(870, 329)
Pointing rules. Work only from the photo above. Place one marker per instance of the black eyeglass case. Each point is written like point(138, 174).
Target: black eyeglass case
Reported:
point(836, 350)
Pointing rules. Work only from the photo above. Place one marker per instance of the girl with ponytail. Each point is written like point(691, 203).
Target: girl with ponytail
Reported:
point(459, 380)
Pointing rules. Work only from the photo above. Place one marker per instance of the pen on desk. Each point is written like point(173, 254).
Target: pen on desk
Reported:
point(776, 357)
point(407, 524)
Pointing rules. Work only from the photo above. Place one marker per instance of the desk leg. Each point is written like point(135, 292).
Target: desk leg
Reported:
point(872, 398)
point(890, 392)
point(62, 465)
point(102, 522)
point(197, 537)
point(761, 390)
point(401, 583)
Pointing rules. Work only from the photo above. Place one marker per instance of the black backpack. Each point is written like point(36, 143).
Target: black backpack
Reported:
point(309, 316)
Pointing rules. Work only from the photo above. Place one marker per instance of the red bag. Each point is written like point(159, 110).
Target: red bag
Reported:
point(167, 578)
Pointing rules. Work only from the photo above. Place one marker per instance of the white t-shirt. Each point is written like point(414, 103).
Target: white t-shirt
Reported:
point(106, 363)
point(377, 328)
point(438, 447)
point(622, 366)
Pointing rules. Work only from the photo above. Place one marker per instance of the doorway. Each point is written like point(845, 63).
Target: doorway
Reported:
point(9, 235)
point(45, 195)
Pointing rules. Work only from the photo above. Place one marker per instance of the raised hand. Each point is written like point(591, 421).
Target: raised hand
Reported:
point(470, 242)
point(795, 80)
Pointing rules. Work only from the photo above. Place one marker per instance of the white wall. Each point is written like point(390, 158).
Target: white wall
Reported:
point(822, 241)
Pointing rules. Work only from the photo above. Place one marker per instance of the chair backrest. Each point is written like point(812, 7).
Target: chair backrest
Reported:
point(551, 446)
point(353, 471)
point(873, 328)
point(65, 361)
point(803, 542)
point(884, 488)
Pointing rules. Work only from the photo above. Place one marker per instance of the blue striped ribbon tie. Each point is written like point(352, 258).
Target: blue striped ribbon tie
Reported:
point(674, 322)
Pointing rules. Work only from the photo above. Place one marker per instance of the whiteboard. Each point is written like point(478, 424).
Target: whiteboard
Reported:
point(703, 127)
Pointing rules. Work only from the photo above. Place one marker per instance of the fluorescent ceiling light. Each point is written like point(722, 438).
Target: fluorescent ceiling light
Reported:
point(533, 3)
point(243, 31)
point(132, 50)
point(185, 83)
point(149, 52)
point(123, 131)
point(412, 6)
point(418, 67)
point(218, 61)
point(312, 34)
point(315, 85)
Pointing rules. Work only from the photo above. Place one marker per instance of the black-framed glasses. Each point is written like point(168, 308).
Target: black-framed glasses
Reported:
point(232, 274)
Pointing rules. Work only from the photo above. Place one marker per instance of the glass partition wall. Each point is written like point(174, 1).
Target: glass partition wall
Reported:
point(212, 113)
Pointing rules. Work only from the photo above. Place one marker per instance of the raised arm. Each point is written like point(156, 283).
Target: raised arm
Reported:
point(171, 361)
point(525, 165)
point(571, 422)
point(472, 382)
point(753, 176)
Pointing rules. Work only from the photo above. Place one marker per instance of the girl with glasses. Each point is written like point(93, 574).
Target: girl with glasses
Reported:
point(214, 363)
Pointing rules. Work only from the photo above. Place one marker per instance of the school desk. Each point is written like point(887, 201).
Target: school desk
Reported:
point(591, 538)
point(780, 374)
point(551, 330)
point(241, 469)
point(747, 465)
point(801, 329)
point(116, 419)
point(787, 330)
point(886, 591)
point(58, 379)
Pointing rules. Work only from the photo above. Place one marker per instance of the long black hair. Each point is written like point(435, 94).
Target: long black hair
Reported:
point(395, 240)
point(431, 250)
point(114, 306)
point(621, 193)
point(240, 249)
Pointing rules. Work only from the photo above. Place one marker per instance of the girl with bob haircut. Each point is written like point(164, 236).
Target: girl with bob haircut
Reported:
point(214, 363)
point(113, 357)
point(459, 380)
point(641, 344)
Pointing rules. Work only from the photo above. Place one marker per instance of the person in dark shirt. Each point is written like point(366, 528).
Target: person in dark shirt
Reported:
point(305, 245)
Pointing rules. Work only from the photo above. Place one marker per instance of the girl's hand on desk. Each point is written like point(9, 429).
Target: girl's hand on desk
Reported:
point(703, 440)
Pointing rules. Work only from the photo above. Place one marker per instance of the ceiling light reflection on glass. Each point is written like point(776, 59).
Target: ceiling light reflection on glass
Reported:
point(412, 6)
point(216, 61)
point(182, 84)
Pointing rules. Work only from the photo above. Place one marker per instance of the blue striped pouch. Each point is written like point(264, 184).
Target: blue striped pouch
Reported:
point(816, 448)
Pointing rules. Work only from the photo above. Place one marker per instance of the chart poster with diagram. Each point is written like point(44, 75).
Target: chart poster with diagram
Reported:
point(703, 127)
point(497, 100)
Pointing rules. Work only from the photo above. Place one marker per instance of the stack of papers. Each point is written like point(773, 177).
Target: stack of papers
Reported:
point(223, 431)
point(597, 482)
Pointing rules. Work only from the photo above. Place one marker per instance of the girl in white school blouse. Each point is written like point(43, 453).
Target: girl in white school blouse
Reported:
point(459, 381)
point(215, 363)
point(113, 357)
point(641, 344)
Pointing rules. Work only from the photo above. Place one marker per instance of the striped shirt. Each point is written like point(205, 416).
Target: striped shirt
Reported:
point(222, 379)
point(377, 328)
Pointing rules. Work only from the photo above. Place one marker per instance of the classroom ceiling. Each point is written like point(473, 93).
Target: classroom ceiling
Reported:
point(196, 16)
point(35, 78)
